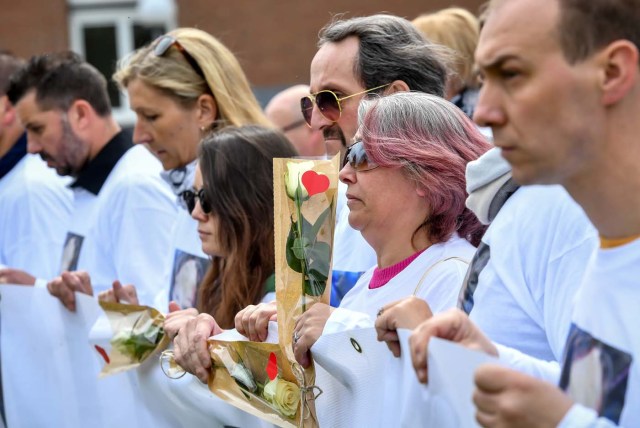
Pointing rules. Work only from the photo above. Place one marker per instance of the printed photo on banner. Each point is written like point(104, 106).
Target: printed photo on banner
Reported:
point(188, 271)
point(71, 252)
point(595, 374)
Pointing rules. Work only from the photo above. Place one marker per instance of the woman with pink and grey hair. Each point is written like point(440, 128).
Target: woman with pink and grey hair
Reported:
point(406, 194)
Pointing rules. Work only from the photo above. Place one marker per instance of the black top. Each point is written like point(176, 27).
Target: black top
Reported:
point(96, 171)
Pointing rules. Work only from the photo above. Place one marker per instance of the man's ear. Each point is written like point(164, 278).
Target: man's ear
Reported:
point(396, 86)
point(207, 110)
point(619, 70)
point(80, 115)
point(7, 112)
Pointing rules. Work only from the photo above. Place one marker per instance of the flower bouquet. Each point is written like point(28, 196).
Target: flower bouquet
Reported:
point(264, 379)
point(250, 376)
point(133, 333)
point(305, 210)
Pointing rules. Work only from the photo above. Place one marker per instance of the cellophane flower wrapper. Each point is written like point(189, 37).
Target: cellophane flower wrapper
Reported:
point(240, 375)
point(305, 197)
point(264, 379)
point(136, 335)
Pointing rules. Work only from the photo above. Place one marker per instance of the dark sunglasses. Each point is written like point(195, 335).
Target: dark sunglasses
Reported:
point(162, 45)
point(357, 158)
point(189, 197)
point(328, 103)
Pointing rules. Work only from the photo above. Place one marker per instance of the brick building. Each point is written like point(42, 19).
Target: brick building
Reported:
point(274, 40)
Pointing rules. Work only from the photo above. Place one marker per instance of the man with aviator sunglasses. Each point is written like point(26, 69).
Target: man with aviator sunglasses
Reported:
point(359, 57)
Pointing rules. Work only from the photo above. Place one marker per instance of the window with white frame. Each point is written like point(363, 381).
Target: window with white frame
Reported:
point(102, 31)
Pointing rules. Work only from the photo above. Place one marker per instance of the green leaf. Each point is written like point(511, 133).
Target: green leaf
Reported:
point(294, 263)
point(300, 247)
point(307, 230)
point(319, 256)
point(138, 345)
point(314, 287)
point(318, 268)
point(309, 288)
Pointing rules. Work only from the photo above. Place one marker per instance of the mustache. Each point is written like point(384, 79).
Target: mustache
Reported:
point(334, 133)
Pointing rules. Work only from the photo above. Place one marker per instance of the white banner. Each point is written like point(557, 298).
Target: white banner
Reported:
point(50, 378)
point(365, 386)
point(49, 371)
point(50, 375)
point(451, 369)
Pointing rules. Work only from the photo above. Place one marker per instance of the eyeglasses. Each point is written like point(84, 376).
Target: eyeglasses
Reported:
point(328, 103)
point(357, 158)
point(162, 45)
point(189, 197)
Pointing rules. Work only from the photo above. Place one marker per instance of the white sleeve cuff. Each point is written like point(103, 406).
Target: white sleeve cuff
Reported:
point(545, 370)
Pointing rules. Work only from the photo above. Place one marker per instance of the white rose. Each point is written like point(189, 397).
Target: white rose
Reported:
point(293, 178)
point(284, 395)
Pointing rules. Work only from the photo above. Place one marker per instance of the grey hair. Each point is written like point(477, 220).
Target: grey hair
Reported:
point(432, 140)
point(396, 111)
point(391, 48)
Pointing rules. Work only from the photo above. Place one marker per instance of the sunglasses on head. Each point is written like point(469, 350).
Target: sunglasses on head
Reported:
point(162, 45)
point(189, 197)
point(357, 158)
point(328, 103)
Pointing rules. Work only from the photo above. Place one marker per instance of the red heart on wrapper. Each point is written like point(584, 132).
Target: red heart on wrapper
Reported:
point(102, 353)
point(314, 183)
point(272, 367)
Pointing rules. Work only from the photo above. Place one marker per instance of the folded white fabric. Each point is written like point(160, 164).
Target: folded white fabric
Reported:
point(485, 177)
point(480, 201)
point(486, 169)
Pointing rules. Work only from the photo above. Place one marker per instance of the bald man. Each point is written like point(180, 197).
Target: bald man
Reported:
point(284, 111)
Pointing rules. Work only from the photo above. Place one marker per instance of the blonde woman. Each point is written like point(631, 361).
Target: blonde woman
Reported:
point(182, 86)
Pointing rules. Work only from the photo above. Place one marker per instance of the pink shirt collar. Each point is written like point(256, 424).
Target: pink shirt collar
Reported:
point(382, 276)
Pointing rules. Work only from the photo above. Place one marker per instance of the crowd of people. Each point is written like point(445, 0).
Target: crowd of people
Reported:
point(487, 194)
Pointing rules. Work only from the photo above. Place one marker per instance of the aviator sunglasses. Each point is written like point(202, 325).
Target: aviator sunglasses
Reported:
point(357, 158)
point(328, 103)
point(162, 45)
point(189, 197)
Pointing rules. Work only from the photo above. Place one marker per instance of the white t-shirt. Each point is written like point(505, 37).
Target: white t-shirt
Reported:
point(601, 370)
point(352, 255)
point(540, 244)
point(446, 264)
point(35, 207)
point(124, 232)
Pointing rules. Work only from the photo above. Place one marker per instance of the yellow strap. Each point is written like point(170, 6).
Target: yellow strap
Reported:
point(426, 272)
point(612, 243)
